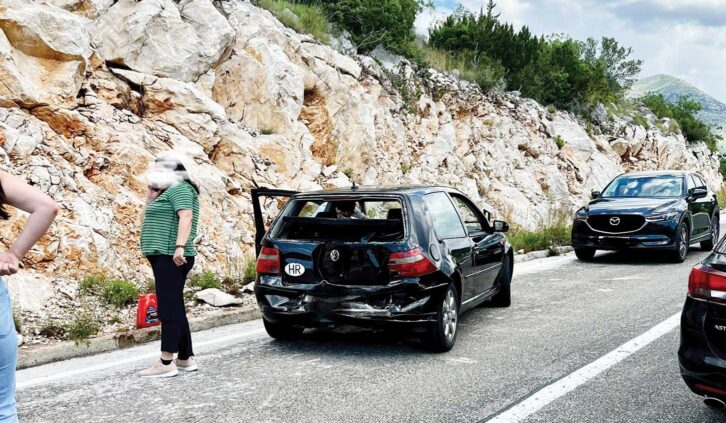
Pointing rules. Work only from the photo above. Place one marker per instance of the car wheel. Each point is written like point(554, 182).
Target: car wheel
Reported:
point(715, 232)
point(503, 298)
point(682, 244)
point(442, 335)
point(281, 331)
point(585, 254)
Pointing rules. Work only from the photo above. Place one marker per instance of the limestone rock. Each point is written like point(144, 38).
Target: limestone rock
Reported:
point(161, 39)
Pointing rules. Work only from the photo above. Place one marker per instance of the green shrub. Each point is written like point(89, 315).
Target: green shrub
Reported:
point(560, 142)
point(17, 322)
point(684, 113)
point(266, 131)
point(94, 284)
point(205, 280)
point(477, 69)
point(120, 293)
point(373, 22)
point(250, 271)
point(405, 168)
point(721, 194)
point(551, 109)
point(82, 327)
point(303, 18)
point(555, 232)
point(641, 120)
point(348, 171)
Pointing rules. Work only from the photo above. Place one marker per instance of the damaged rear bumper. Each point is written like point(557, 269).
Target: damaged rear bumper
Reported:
point(405, 301)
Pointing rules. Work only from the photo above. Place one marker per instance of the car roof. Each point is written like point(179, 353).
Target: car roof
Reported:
point(416, 190)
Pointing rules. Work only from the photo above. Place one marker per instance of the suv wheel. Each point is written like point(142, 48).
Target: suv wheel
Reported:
point(503, 298)
point(442, 335)
point(682, 244)
point(585, 254)
point(715, 229)
point(281, 331)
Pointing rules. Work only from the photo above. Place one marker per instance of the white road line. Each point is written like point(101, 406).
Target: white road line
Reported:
point(550, 393)
point(107, 364)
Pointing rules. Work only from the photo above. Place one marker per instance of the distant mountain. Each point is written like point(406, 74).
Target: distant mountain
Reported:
point(672, 88)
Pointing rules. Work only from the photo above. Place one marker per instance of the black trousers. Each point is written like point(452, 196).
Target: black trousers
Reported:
point(170, 279)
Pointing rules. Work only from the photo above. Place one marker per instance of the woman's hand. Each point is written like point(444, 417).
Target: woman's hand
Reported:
point(179, 258)
point(9, 264)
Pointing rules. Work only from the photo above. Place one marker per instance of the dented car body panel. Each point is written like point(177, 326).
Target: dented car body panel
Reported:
point(328, 276)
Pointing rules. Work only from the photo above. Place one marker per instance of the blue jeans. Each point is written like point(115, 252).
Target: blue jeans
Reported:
point(8, 358)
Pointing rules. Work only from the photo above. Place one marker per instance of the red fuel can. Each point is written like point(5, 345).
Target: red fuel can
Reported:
point(147, 315)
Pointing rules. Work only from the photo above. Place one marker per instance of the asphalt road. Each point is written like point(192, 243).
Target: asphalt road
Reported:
point(581, 342)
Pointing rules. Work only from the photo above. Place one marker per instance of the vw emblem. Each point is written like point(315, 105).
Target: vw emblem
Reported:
point(615, 221)
point(335, 255)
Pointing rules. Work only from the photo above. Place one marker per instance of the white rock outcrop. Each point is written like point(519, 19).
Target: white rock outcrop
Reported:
point(251, 102)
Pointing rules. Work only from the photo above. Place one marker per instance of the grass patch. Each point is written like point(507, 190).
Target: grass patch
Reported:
point(82, 327)
point(554, 233)
point(560, 142)
point(479, 70)
point(94, 284)
point(205, 280)
point(348, 171)
point(641, 120)
point(303, 18)
point(120, 293)
point(250, 272)
point(232, 286)
point(405, 168)
point(721, 194)
point(266, 131)
point(149, 287)
point(17, 322)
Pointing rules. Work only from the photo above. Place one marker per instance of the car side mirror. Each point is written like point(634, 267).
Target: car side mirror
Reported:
point(697, 193)
point(595, 194)
point(500, 226)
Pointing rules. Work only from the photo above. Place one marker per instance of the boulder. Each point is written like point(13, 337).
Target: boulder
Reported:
point(158, 38)
point(217, 298)
point(44, 52)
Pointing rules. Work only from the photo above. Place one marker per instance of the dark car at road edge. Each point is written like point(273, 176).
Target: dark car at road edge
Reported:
point(411, 256)
point(702, 351)
point(658, 210)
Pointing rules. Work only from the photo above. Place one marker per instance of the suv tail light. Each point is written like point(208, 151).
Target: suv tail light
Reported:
point(269, 261)
point(707, 283)
point(410, 263)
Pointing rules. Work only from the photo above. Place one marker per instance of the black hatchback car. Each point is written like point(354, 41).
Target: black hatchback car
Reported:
point(702, 353)
point(667, 210)
point(369, 256)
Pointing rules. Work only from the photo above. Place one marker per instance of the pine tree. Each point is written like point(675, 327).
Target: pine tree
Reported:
point(490, 10)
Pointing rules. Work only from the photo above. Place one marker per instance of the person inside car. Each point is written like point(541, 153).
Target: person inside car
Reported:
point(347, 210)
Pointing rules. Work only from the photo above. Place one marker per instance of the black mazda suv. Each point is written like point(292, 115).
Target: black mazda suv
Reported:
point(667, 210)
point(370, 256)
point(702, 354)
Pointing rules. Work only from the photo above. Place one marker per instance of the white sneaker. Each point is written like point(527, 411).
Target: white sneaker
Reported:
point(160, 370)
point(188, 365)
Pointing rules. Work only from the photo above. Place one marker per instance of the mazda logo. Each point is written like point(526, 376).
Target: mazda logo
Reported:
point(615, 221)
point(335, 255)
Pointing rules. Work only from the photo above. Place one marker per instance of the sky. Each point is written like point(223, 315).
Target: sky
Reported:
point(683, 38)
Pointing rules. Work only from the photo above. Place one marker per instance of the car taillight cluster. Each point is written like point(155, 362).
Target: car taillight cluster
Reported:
point(707, 283)
point(410, 263)
point(268, 261)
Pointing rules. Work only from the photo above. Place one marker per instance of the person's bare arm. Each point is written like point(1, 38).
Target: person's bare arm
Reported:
point(42, 211)
point(182, 237)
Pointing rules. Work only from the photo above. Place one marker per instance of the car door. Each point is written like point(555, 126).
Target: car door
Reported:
point(451, 235)
point(709, 202)
point(488, 250)
point(699, 208)
point(257, 195)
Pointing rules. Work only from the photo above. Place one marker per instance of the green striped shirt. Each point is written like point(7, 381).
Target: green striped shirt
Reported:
point(161, 221)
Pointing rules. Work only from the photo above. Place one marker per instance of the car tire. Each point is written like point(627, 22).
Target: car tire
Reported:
point(678, 255)
point(715, 231)
point(503, 298)
point(585, 254)
point(442, 334)
point(281, 331)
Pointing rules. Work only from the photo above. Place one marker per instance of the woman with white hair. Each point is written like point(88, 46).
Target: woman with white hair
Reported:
point(167, 241)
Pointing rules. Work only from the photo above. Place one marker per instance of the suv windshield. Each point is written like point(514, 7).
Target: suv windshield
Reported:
point(662, 186)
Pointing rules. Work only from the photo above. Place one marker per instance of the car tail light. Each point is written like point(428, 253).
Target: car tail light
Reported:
point(269, 261)
point(410, 263)
point(707, 283)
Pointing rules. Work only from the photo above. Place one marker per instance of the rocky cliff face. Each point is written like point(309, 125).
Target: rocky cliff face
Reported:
point(93, 89)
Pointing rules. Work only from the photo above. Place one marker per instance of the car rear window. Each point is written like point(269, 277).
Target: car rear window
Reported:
point(358, 220)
